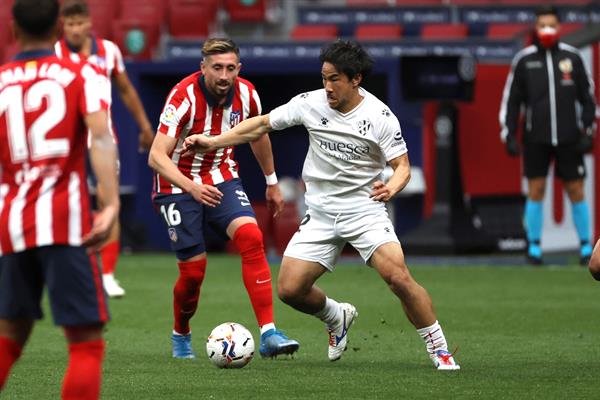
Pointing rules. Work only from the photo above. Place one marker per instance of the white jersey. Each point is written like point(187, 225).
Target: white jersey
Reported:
point(347, 152)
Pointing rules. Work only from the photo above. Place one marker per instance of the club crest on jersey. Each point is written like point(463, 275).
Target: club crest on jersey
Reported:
point(364, 127)
point(566, 67)
point(234, 118)
point(173, 235)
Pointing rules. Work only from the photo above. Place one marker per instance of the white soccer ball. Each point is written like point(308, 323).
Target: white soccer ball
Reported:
point(230, 345)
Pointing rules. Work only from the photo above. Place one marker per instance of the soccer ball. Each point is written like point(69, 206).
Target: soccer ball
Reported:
point(230, 345)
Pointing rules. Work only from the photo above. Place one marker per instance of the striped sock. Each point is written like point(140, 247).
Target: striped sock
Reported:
point(434, 338)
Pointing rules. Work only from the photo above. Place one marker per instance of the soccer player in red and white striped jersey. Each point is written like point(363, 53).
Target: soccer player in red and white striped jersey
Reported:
point(80, 46)
point(46, 107)
point(205, 188)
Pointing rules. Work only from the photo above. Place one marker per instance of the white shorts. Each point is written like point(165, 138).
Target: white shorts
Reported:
point(322, 236)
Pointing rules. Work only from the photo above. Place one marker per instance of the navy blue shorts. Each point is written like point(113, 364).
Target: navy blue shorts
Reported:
point(186, 218)
point(74, 286)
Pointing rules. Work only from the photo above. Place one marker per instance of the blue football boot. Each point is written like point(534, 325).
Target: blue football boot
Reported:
point(182, 346)
point(274, 343)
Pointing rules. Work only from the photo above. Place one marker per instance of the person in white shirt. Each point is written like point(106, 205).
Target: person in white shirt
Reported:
point(352, 136)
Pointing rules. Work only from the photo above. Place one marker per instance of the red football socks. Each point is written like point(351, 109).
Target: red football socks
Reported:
point(10, 351)
point(255, 271)
point(187, 292)
point(109, 254)
point(84, 373)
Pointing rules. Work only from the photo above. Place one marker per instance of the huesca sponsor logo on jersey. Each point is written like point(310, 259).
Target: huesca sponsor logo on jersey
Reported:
point(344, 151)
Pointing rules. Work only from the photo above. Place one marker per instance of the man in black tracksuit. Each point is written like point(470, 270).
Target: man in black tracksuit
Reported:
point(550, 80)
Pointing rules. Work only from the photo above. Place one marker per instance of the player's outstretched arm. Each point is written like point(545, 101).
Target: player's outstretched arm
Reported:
point(103, 157)
point(383, 191)
point(244, 132)
point(159, 161)
point(594, 265)
point(132, 101)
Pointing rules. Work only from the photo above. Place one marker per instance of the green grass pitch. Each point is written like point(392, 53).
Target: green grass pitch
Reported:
point(522, 333)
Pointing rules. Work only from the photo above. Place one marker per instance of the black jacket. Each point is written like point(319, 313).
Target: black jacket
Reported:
point(559, 101)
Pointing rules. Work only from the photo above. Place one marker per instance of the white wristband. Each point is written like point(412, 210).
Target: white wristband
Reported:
point(271, 179)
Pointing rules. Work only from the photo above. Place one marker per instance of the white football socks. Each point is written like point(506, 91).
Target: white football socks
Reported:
point(331, 313)
point(434, 338)
point(267, 327)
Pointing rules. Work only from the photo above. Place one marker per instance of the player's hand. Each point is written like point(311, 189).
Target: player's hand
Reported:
point(275, 202)
point(586, 141)
point(103, 222)
point(196, 144)
point(381, 192)
point(146, 138)
point(207, 195)
point(513, 148)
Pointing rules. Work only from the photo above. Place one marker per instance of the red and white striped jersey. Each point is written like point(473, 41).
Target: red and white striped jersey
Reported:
point(189, 110)
point(106, 58)
point(104, 55)
point(43, 192)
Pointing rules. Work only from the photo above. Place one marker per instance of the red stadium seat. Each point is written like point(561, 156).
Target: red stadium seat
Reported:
point(190, 19)
point(368, 3)
point(102, 19)
point(122, 28)
point(419, 2)
point(507, 31)
point(148, 10)
point(444, 31)
point(378, 32)
point(239, 11)
point(314, 32)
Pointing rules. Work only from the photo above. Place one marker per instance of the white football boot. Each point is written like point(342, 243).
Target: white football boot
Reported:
point(338, 333)
point(112, 287)
point(444, 361)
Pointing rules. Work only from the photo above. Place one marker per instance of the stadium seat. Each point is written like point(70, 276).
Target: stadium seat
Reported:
point(5, 31)
point(506, 31)
point(444, 31)
point(369, 3)
point(123, 35)
point(378, 32)
point(102, 19)
point(190, 19)
point(240, 11)
point(148, 10)
point(314, 32)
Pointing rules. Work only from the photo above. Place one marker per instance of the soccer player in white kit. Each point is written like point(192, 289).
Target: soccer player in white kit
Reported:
point(352, 136)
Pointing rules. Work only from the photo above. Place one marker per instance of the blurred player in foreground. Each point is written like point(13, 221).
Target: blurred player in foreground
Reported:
point(352, 136)
point(205, 188)
point(46, 106)
point(80, 46)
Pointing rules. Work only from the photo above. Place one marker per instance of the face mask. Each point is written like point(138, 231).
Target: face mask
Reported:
point(547, 36)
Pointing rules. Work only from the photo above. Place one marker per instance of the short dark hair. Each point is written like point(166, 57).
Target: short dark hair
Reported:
point(71, 8)
point(348, 57)
point(219, 46)
point(36, 18)
point(547, 9)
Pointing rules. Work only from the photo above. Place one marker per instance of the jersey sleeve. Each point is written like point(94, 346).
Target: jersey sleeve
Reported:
point(119, 64)
point(93, 87)
point(255, 105)
point(391, 142)
point(289, 114)
point(175, 114)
